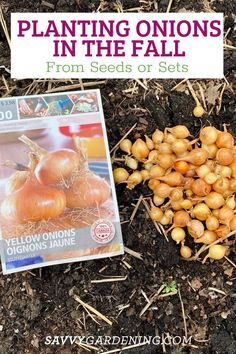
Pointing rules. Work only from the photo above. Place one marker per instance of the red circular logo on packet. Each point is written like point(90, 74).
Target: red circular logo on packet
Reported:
point(102, 231)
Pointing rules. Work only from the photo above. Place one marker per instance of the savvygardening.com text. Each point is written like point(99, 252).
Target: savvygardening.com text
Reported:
point(118, 340)
point(122, 67)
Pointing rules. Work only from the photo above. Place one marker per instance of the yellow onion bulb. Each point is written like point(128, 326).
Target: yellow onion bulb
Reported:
point(217, 252)
point(207, 238)
point(126, 145)
point(212, 223)
point(225, 156)
point(120, 175)
point(181, 218)
point(208, 135)
point(87, 191)
point(56, 166)
point(201, 212)
point(33, 202)
point(178, 234)
point(195, 228)
point(225, 140)
point(140, 150)
point(214, 200)
point(185, 252)
point(200, 187)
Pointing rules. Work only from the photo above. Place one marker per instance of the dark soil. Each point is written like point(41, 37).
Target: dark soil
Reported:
point(37, 304)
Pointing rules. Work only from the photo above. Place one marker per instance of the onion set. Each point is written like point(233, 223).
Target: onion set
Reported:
point(192, 182)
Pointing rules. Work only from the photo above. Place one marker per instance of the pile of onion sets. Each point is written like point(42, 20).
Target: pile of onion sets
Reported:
point(52, 182)
point(193, 181)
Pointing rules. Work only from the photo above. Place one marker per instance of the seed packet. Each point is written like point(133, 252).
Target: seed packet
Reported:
point(57, 196)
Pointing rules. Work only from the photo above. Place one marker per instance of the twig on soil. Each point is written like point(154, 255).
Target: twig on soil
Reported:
point(141, 84)
point(157, 226)
point(135, 209)
point(133, 9)
point(87, 346)
point(81, 84)
point(125, 222)
point(163, 343)
point(128, 132)
point(88, 307)
point(171, 293)
point(227, 46)
point(169, 6)
point(47, 4)
point(227, 32)
point(4, 27)
point(109, 280)
point(217, 291)
point(75, 86)
point(133, 253)
point(202, 95)
point(179, 83)
point(152, 299)
point(125, 348)
point(183, 314)
point(145, 296)
point(126, 264)
point(213, 243)
point(5, 83)
point(193, 93)
point(91, 316)
point(231, 262)
point(121, 308)
point(218, 108)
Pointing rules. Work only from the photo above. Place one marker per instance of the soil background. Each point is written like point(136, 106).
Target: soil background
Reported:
point(37, 304)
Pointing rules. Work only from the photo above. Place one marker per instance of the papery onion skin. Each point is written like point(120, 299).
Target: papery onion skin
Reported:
point(149, 143)
point(212, 223)
point(163, 190)
point(178, 234)
point(185, 252)
point(232, 224)
point(217, 252)
point(201, 212)
point(120, 175)
point(225, 140)
point(225, 156)
point(208, 135)
point(180, 131)
point(15, 181)
point(165, 148)
point(56, 166)
point(226, 214)
point(197, 156)
point(210, 149)
point(222, 230)
point(33, 202)
point(181, 218)
point(157, 136)
point(156, 213)
point(126, 145)
point(200, 187)
point(181, 167)
point(207, 238)
point(166, 160)
point(214, 200)
point(221, 185)
point(196, 228)
point(173, 179)
point(88, 191)
point(140, 150)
